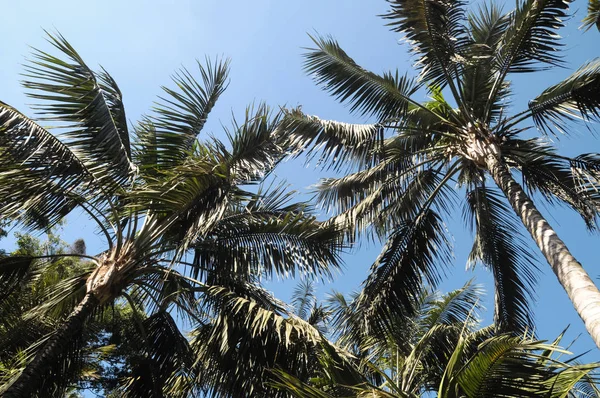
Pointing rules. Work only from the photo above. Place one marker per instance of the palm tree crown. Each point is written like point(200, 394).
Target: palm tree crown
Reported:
point(182, 226)
point(405, 167)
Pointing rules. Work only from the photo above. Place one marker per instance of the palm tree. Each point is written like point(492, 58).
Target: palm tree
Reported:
point(178, 219)
point(441, 350)
point(404, 168)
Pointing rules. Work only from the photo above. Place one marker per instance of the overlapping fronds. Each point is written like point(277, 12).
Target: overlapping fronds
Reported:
point(168, 137)
point(87, 106)
point(436, 34)
point(499, 245)
point(576, 97)
point(386, 97)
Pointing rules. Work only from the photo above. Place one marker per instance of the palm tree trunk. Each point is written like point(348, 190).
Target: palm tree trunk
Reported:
point(583, 293)
point(33, 374)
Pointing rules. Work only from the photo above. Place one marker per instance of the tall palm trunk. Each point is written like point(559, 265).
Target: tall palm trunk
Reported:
point(31, 378)
point(583, 293)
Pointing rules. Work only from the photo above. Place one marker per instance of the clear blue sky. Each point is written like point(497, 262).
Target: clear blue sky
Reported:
point(142, 42)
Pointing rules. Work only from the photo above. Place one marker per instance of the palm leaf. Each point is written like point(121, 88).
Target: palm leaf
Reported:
point(168, 137)
point(385, 97)
point(340, 144)
point(86, 106)
point(576, 97)
point(435, 32)
point(413, 255)
point(500, 247)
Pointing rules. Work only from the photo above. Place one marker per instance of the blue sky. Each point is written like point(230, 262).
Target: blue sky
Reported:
point(142, 42)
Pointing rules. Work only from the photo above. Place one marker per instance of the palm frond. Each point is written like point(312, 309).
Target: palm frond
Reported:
point(593, 15)
point(486, 27)
point(267, 237)
point(340, 144)
point(435, 32)
point(386, 97)
point(165, 354)
point(303, 298)
point(168, 137)
point(531, 36)
point(86, 106)
point(455, 308)
point(248, 337)
point(576, 97)
point(510, 364)
point(256, 147)
point(41, 178)
point(413, 255)
point(500, 247)
point(558, 179)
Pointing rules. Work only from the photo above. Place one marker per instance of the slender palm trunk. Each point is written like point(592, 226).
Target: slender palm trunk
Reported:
point(583, 293)
point(31, 378)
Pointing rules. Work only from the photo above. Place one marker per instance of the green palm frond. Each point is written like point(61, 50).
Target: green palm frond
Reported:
point(435, 32)
point(88, 108)
point(168, 137)
point(576, 97)
point(41, 178)
point(499, 246)
point(413, 255)
point(510, 364)
point(386, 97)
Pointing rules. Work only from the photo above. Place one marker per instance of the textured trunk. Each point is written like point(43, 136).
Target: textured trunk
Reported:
point(579, 287)
point(32, 377)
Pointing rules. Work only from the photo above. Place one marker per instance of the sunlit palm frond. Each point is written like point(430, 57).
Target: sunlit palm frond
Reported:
point(86, 106)
point(436, 34)
point(246, 338)
point(593, 15)
point(386, 97)
point(340, 144)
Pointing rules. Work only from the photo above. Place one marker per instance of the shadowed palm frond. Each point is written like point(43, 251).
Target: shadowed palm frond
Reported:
point(576, 97)
point(500, 247)
point(486, 27)
point(435, 33)
point(41, 178)
point(413, 255)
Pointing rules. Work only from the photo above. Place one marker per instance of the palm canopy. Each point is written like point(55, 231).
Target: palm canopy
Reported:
point(180, 218)
point(441, 350)
point(404, 167)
